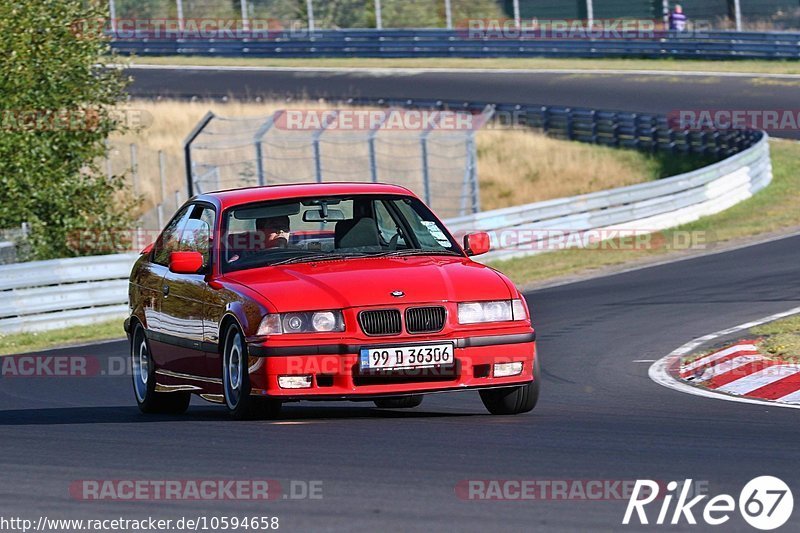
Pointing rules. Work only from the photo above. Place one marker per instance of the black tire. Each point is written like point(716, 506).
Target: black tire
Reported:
point(513, 400)
point(399, 402)
point(236, 381)
point(144, 381)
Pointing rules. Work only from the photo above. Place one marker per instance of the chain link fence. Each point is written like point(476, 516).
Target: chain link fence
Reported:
point(431, 152)
point(337, 14)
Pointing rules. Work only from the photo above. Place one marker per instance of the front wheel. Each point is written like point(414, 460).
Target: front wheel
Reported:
point(513, 400)
point(236, 381)
point(144, 380)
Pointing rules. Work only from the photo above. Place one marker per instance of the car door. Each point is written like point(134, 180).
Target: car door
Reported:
point(151, 278)
point(183, 307)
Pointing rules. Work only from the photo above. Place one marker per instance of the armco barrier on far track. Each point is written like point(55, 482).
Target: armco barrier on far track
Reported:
point(456, 43)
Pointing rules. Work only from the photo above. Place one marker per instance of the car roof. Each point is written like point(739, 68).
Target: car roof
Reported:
point(248, 195)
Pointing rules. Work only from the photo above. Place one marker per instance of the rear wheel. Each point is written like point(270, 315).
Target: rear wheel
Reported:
point(144, 380)
point(513, 400)
point(400, 402)
point(236, 381)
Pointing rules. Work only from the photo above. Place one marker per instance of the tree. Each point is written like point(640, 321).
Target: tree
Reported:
point(57, 108)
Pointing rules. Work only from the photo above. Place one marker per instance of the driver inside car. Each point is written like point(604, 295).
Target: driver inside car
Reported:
point(273, 232)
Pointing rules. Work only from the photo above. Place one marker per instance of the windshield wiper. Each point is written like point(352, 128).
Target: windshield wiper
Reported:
point(416, 251)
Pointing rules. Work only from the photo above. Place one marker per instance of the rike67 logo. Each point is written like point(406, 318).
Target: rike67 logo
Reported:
point(765, 503)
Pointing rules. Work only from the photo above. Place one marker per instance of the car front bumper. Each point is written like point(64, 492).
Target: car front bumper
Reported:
point(335, 371)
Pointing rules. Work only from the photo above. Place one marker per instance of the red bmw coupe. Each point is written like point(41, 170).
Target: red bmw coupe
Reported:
point(348, 291)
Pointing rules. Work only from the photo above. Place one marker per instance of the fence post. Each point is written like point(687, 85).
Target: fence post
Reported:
point(187, 150)
point(517, 18)
point(315, 140)
point(109, 169)
point(373, 159)
point(112, 12)
point(448, 12)
point(590, 12)
point(181, 24)
point(423, 140)
point(134, 170)
point(665, 13)
point(310, 13)
point(245, 16)
point(737, 13)
point(262, 178)
point(162, 174)
point(378, 15)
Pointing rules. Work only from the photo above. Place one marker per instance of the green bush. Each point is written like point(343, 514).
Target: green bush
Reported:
point(57, 107)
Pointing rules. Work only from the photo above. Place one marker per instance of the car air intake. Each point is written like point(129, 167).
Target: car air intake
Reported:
point(382, 322)
point(425, 319)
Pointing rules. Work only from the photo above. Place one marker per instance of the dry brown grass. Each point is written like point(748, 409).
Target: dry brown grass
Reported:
point(514, 167)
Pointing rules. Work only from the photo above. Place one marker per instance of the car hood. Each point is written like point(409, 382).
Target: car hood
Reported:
point(371, 282)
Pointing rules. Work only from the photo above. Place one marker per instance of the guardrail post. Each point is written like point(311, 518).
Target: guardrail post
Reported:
point(448, 13)
point(589, 12)
point(187, 150)
point(517, 18)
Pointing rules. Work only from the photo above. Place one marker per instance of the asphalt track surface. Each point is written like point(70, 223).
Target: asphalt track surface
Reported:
point(599, 417)
point(636, 92)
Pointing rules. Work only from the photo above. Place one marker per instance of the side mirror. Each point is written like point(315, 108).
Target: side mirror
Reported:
point(185, 262)
point(476, 243)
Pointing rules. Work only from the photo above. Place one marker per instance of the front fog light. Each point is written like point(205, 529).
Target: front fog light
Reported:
point(294, 382)
point(504, 370)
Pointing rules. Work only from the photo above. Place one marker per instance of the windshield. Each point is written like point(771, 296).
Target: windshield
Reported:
point(329, 228)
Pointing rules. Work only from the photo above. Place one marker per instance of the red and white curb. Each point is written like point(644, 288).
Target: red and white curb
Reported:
point(741, 370)
point(737, 373)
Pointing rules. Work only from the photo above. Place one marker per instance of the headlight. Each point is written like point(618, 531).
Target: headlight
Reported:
point(306, 322)
point(496, 311)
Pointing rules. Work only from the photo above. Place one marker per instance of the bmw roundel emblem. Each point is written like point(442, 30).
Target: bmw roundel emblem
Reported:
point(398, 294)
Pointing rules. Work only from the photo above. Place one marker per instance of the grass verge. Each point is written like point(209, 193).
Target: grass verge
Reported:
point(27, 342)
point(780, 339)
point(772, 209)
point(685, 65)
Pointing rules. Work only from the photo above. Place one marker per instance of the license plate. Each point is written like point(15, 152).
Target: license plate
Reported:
point(395, 357)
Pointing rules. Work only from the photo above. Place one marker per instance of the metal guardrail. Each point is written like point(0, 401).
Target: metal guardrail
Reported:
point(60, 293)
point(458, 43)
point(643, 208)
